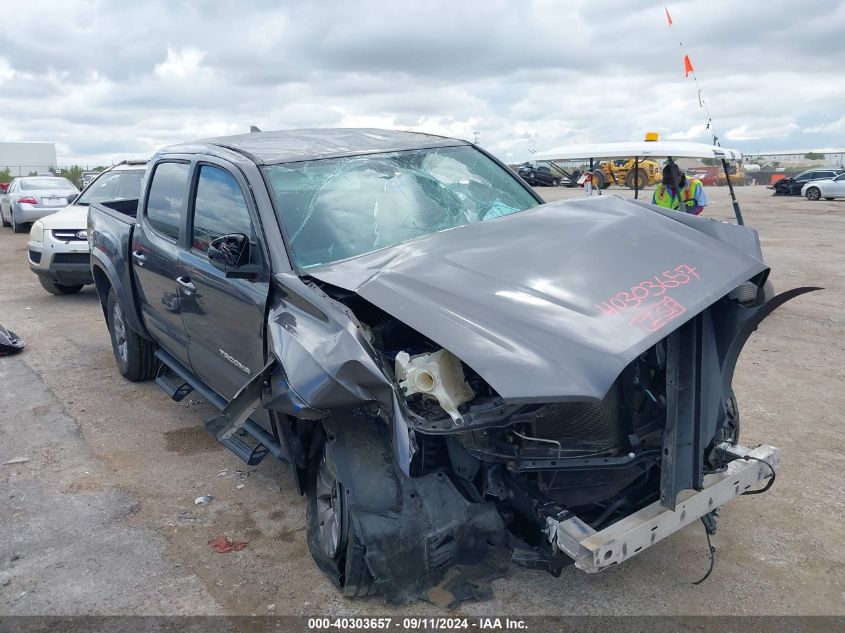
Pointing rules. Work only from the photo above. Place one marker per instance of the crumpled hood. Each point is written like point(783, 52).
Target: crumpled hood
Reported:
point(74, 216)
point(552, 303)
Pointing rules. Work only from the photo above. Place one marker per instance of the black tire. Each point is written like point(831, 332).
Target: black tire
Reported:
point(598, 180)
point(643, 179)
point(18, 227)
point(3, 220)
point(332, 536)
point(814, 193)
point(135, 356)
point(56, 288)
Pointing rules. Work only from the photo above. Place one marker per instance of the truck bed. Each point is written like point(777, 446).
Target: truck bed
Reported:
point(110, 229)
point(123, 210)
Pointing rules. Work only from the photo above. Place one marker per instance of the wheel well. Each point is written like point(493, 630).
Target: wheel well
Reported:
point(103, 285)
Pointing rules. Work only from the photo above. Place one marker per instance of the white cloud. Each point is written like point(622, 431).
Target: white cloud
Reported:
point(6, 70)
point(833, 126)
point(110, 80)
point(752, 132)
point(180, 62)
point(693, 133)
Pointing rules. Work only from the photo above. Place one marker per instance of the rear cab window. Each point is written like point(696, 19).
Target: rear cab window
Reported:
point(166, 198)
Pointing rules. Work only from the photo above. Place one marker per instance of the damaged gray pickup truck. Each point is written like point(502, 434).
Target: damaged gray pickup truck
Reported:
point(459, 375)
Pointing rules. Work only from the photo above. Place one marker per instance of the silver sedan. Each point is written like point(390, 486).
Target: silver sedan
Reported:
point(33, 197)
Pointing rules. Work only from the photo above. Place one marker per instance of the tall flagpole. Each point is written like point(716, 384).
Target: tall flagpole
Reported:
point(689, 69)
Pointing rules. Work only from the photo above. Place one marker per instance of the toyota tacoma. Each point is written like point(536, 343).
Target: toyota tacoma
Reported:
point(460, 376)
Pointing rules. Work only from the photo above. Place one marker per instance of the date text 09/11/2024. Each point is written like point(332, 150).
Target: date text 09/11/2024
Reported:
point(417, 624)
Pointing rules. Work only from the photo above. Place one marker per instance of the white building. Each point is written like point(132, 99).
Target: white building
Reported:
point(22, 159)
point(832, 157)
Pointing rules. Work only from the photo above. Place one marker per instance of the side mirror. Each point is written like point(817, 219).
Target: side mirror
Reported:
point(72, 198)
point(231, 254)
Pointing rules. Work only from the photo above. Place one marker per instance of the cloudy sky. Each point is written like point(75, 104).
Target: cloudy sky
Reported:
point(108, 80)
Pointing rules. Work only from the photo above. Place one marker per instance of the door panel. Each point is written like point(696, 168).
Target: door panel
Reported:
point(155, 251)
point(224, 318)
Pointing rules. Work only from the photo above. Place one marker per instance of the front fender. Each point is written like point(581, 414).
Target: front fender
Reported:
point(320, 365)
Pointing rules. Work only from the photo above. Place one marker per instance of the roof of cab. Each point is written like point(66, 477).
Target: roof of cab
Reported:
point(289, 146)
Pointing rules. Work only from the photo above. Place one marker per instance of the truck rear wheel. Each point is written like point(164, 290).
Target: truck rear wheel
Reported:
point(56, 288)
point(135, 355)
point(332, 536)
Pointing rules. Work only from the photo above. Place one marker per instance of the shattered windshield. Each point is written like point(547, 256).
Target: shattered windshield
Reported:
point(342, 207)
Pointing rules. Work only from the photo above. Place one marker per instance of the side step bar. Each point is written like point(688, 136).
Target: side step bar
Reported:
point(178, 382)
point(171, 383)
point(251, 455)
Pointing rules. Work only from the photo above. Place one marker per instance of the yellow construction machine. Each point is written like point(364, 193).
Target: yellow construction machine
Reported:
point(621, 172)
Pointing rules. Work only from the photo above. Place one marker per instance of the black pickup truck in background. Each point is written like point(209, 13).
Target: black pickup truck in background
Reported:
point(458, 375)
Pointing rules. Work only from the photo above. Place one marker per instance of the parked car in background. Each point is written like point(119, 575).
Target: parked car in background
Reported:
point(707, 175)
point(33, 197)
point(88, 177)
point(793, 186)
point(828, 189)
point(58, 250)
point(538, 174)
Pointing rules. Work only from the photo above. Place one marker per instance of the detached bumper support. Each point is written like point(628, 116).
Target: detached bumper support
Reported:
point(594, 551)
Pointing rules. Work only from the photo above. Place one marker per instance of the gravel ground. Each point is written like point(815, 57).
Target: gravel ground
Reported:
point(101, 518)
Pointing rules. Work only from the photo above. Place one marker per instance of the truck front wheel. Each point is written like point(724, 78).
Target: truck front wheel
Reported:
point(135, 355)
point(332, 536)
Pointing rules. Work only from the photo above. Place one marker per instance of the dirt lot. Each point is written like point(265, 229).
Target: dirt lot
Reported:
point(102, 519)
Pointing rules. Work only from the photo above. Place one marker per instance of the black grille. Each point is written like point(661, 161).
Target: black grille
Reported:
point(71, 258)
point(34, 257)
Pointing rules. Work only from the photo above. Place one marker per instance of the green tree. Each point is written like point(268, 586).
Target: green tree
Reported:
point(814, 156)
point(74, 174)
point(5, 175)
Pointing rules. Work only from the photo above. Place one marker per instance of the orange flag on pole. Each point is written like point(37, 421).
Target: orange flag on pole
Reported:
point(687, 66)
point(668, 17)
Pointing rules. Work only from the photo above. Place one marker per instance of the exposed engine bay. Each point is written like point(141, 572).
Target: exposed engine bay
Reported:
point(464, 426)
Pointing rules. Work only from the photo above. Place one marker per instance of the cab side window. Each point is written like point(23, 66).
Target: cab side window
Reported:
point(167, 198)
point(219, 208)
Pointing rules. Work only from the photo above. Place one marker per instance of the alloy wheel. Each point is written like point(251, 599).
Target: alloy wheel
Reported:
point(119, 332)
point(329, 500)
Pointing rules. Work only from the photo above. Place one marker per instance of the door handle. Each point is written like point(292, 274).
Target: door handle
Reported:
point(186, 284)
point(139, 257)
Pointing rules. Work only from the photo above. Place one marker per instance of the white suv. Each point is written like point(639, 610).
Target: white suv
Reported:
point(58, 244)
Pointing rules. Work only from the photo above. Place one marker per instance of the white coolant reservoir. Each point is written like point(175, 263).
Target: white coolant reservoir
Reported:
point(438, 375)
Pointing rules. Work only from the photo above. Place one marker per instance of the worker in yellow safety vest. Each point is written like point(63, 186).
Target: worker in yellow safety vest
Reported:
point(678, 193)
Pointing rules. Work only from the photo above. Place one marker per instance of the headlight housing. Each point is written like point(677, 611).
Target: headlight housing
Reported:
point(36, 233)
